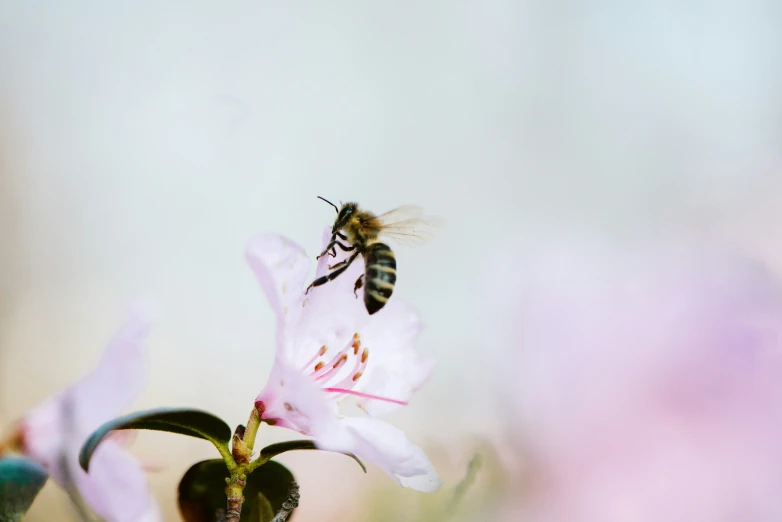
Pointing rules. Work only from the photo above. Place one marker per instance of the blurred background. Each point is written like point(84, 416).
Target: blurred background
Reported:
point(142, 145)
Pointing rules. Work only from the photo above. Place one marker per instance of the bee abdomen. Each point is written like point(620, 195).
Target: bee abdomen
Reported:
point(379, 276)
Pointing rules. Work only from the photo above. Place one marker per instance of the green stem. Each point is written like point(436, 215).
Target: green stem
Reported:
point(230, 463)
point(257, 463)
point(238, 463)
point(233, 491)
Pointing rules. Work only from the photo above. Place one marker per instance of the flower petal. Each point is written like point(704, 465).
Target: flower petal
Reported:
point(118, 379)
point(395, 370)
point(645, 380)
point(54, 431)
point(281, 267)
point(389, 448)
point(116, 487)
point(291, 400)
point(43, 433)
point(76, 411)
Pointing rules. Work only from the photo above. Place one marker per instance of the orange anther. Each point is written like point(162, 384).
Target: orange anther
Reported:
point(341, 360)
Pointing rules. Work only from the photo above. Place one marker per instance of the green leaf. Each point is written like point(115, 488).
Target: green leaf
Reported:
point(273, 450)
point(202, 491)
point(259, 508)
point(20, 482)
point(184, 421)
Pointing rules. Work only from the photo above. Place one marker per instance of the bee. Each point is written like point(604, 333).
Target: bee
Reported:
point(363, 232)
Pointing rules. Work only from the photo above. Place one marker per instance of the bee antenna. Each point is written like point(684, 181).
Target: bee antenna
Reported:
point(330, 203)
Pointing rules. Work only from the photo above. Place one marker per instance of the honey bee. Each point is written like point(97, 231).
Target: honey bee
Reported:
point(363, 232)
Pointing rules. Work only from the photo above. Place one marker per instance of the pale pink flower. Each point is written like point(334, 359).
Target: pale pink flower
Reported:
point(329, 348)
point(644, 385)
point(116, 487)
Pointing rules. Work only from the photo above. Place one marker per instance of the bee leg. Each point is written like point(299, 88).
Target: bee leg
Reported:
point(332, 275)
point(346, 261)
point(344, 248)
point(330, 246)
point(341, 263)
point(328, 250)
point(359, 284)
point(333, 244)
point(342, 237)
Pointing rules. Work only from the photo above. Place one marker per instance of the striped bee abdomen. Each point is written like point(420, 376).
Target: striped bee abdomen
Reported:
point(379, 276)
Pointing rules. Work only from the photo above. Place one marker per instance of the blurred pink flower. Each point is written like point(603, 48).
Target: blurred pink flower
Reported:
point(646, 384)
point(116, 487)
point(329, 348)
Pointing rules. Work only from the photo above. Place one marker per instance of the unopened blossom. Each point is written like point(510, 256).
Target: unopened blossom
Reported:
point(641, 384)
point(52, 434)
point(328, 349)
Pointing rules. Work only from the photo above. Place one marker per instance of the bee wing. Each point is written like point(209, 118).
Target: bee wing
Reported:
point(400, 214)
point(408, 225)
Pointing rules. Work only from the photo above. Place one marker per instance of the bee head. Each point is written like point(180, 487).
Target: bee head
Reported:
point(343, 216)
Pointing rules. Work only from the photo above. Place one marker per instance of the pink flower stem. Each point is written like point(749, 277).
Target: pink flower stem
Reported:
point(253, 423)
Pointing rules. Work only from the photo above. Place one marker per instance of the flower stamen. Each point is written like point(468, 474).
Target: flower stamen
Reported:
point(358, 368)
point(320, 353)
point(334, 362)
point(343, 358)
point(323, 372)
